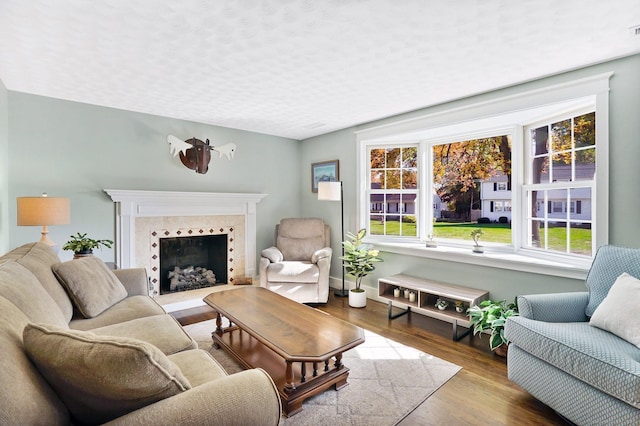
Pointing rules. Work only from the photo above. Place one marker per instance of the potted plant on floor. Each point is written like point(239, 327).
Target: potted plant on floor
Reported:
point(82, 246)
point(358, 260)
point(492, 315)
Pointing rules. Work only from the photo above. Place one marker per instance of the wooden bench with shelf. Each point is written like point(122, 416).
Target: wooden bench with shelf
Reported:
point(426, 295)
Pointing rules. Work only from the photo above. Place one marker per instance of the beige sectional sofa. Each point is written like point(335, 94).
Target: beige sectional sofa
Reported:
point(81, 344)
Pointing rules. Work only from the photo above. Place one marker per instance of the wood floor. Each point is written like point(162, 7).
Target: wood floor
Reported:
point(480, 394)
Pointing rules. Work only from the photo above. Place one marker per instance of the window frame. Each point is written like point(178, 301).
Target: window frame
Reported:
point(464, 123)
point(369, 191)
point(560, 207)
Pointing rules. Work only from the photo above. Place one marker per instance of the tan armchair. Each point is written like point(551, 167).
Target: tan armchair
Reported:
point(298, 265)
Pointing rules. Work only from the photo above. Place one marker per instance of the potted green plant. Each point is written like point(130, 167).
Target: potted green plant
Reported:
point(81, 245)
point(492, 315)
point(476, 234)
point(358, 260)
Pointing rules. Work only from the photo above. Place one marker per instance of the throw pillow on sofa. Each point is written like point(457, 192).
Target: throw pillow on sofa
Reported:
point(91, 285)
point(100, 378)
point(618, 312)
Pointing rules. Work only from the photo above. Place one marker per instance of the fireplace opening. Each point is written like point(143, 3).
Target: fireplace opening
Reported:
point(189, 263)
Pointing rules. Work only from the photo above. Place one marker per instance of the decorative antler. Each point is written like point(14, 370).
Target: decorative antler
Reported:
point(177, 145)
point(228, 150)
point(196, 154)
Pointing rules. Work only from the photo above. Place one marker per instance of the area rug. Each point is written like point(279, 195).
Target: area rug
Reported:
point(387, 380)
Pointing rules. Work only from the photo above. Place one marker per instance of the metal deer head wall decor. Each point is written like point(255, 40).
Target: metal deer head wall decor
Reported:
point(196, 154)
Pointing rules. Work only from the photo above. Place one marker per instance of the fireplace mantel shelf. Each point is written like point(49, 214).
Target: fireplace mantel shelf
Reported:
point(172, 203)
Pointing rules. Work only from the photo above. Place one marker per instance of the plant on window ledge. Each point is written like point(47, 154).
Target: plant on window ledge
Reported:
point(81, 245)
point(359, 259)
point(476, 234)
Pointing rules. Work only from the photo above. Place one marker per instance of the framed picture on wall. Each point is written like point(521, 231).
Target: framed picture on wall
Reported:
point(326, 171)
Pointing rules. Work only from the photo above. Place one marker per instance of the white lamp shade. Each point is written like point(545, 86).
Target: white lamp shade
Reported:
point(329, 191)
point(41, 211)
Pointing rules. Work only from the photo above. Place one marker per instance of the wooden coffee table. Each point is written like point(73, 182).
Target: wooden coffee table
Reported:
point(292, 342)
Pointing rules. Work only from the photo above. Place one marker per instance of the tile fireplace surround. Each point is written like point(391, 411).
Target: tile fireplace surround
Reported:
point(143, 217)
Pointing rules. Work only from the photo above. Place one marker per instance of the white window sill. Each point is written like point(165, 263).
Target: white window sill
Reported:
point(492, 257)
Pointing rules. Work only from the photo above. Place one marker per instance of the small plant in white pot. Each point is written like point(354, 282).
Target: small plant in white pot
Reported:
point(476, 234)
point(358, 260)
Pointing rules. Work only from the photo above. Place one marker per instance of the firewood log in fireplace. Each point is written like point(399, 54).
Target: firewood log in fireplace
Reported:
point(190, 277)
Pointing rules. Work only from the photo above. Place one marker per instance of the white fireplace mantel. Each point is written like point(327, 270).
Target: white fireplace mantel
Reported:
point(131, 204)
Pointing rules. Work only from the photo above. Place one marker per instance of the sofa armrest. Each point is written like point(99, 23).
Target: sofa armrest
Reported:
point(134, 280)
point(323, 253)
point(554, 307)
point(273, 254)
point(245, 398)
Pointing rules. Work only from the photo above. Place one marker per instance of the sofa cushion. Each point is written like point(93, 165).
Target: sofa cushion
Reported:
point(618, 312)
point(90, 284)
point(98, 377)
point(293, 272)
point(609, 263)
point(127, 309)
point(38, 258)
point(25, 397)
point(22, 288)
point(162, 331)
point(590, 354)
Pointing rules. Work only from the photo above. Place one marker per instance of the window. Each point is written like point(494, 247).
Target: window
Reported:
point(463, 174)
point(393, 190)
point(561, 171)
point(534, 176)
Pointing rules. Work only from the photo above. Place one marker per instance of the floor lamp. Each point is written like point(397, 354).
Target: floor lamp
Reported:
point(332, 191)
point(43, 211)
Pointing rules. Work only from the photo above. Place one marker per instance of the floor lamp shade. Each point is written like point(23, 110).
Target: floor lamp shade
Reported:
point(43, 211)
point(329, 191)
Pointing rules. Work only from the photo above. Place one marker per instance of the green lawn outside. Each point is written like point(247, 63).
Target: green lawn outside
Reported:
point(493, 232)
point(393, 228)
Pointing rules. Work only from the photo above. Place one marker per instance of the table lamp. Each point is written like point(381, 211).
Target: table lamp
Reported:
point(43, 211)
point(332, 191)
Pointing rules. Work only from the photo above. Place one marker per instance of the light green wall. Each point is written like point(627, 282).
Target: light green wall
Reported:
point(76, 150)
point(4, 169)
point(624, 140)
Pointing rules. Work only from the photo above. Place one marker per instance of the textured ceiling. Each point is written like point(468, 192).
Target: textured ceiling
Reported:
point(298, 68)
